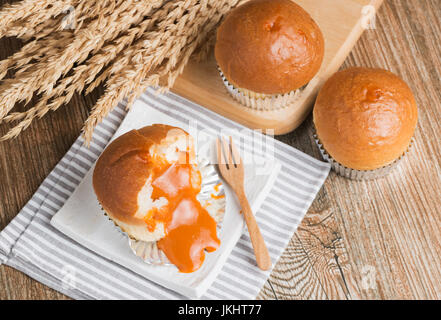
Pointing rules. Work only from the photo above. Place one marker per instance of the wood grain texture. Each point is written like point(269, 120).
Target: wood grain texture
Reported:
point(360, 240)
point(378, 239)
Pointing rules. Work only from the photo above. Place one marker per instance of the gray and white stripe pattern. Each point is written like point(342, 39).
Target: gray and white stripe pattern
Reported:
point(30, 244)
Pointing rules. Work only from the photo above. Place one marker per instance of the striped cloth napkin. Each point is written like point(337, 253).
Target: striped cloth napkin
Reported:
point(30, 244)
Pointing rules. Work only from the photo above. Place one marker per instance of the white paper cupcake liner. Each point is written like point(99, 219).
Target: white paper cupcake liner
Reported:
point(353, 173)
point(261, 101)
point(212, 198)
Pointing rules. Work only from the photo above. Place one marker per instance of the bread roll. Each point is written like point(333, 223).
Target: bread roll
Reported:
point(269, 47)
point(365, 118)
point(122, 178)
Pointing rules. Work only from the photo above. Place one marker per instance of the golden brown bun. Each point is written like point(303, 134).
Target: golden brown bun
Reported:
point(365, 118)
point(123, 170)
point(269, 46)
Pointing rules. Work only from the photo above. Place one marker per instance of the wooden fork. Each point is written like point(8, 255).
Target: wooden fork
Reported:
point(231, 169)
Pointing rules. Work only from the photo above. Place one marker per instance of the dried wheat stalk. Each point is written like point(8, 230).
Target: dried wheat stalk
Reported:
point(70, 16)
point(41, 78)
point(40, 21)
point(36, 10)
point(171, 12)
point(52, 39)
point(197, 21)
point(130, 44)
point(34, 51)
point(83, 74)
point(26, 31)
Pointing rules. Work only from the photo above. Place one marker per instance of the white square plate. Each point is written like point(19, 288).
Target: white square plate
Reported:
point(81, 217)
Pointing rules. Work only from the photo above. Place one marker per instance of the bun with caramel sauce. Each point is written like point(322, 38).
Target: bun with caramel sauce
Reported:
point(147, 181)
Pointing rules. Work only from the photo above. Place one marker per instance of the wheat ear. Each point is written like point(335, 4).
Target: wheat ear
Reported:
point(34, 51)
point(126, 42)
point(82, 75)
point(42, 78)
point(30, 12)
point(71, 16)
point(169, 12)
point(51, 35)
point(202, 15)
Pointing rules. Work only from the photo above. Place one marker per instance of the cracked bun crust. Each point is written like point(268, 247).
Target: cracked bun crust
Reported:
point(269, 46)
point(122, 176)
point(365, 118)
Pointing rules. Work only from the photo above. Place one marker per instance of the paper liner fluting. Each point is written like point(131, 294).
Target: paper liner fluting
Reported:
point(353, 173)
point(212, 198)
point(259, 101)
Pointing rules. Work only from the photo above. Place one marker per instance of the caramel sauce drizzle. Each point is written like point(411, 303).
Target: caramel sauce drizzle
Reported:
point(190, 230)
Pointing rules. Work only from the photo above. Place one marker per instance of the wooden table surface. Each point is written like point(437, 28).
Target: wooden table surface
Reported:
point(360, 240)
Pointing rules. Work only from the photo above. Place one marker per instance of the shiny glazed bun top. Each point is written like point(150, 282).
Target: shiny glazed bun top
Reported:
point(365, 118)
point(269, 46)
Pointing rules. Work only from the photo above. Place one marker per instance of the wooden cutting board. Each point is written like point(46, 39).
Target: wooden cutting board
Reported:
point(341, 21)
